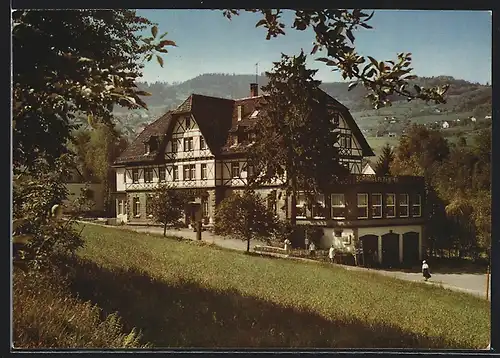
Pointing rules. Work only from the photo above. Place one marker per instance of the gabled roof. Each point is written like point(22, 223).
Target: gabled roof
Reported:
point(216, 118)
point(135, 150)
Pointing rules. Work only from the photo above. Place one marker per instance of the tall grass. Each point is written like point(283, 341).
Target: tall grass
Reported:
point(182, 294)
point(46, 315)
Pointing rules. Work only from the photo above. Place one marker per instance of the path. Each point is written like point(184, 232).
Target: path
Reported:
point(470, 283)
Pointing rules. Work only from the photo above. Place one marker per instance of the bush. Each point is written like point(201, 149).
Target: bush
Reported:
point(45, 315)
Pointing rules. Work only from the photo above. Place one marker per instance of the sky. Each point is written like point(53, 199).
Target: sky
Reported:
point(451, 43)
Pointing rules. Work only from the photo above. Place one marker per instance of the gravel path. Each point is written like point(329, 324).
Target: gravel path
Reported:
point(470, 283)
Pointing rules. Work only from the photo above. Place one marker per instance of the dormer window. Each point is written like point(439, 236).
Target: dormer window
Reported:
point(153, 143)
point(254, 114)
point(146, 148)
point(239, 113)
point(188, 122)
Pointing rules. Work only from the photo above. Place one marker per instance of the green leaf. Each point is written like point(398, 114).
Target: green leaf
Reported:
point(352, 85)
point(260, 23)
point(372, 60)
point(162, 36)
point(154, 31)
point(167, 43)
point(160, 60)
point(350, 35)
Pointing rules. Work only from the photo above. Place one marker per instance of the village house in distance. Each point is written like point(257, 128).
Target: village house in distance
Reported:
point(202, 144)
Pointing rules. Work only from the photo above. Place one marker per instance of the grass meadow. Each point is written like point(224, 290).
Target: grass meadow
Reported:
point(189, 294)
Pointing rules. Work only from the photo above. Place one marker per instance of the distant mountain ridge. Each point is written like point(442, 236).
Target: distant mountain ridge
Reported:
point(463, 96)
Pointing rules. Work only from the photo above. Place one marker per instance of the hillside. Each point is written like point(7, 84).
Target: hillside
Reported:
point(465, 99)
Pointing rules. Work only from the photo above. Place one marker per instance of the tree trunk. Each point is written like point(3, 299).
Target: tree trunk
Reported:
point(165, 229)
point(248, 243)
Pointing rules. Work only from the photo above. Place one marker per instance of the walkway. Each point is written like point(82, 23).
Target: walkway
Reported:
point(474, 284)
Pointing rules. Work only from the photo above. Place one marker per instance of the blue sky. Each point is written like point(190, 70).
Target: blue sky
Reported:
point(452, 43)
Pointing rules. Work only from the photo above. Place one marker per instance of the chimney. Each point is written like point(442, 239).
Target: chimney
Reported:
point(254, 89)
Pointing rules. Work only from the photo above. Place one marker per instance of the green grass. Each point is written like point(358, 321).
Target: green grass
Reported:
point(187, 294)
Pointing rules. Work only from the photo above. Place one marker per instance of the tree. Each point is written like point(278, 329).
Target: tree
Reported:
point(72, 62)
point(168, 205)
point(295, 133)
point(333, 30)
point(383, 166)
point(244, 216)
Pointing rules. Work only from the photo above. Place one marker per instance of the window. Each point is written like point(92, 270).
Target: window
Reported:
point(254, 114)
point(338, 206)
point(189, 172)
point(203, 145)
point(301, 205)
point(175, 173)
point(390, 205)
point(204, 208)
point(336, 119)
point(153, 143)
point(188, 122)
point(362, 206)
point(203, 171)
point(135, 175)
point(403, 205)
point(239, 113)
point(250, 171)
point(188, 144)
point(192, 168)
point(318, 206)
point(125, 176)
point(149, 207)
point(148, 175)
point(136, 206)
point(120, 207)
point(376, 205)
point(162, 175)
point(252, 137)
point(416, 207)
point(174, 146)
point(235, 170)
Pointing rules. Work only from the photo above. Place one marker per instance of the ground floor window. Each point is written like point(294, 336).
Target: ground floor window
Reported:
point(338, 206)
point(149, 207)
point(301, 206)
point(120, 207)
point(362, 206)
point(136, 208)
point(204, 208)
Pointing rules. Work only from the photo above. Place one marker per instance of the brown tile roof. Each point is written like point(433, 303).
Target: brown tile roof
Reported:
point(216, 118)
point(135, 150)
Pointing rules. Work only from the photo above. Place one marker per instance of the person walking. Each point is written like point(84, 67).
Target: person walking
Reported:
point(425, 270)
point(331, 254)
point(288, 243)
point(312, 249)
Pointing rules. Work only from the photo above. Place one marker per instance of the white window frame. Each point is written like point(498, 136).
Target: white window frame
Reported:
point(204, 174)
point(299, 204)
point(188, 144)
point(419, 205)
point(148, 198)
point(358, 195)
point(174, 145)
point(192, 169)
point(343, 206)
point(134, 171)
point(175, 173)
point(317, 198)
point(151, 171)
point(407, 205)
point(372, 206)
point(387, 205)
point(233, 166)
point(120, 207)
point(204, 208)
point(137, 206)
point(186, 172)
point(203, 144)
point(160, 169)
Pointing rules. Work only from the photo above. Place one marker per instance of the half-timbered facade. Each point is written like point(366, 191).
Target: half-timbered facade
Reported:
point(203, 144)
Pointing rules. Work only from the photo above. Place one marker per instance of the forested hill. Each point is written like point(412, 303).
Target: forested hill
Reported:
point(463, 96)
point(467, 96)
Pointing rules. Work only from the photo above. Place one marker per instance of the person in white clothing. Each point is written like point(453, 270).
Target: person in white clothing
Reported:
point(312, 249)
point(288, 243)
point(425, 270)
point(331, 254)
